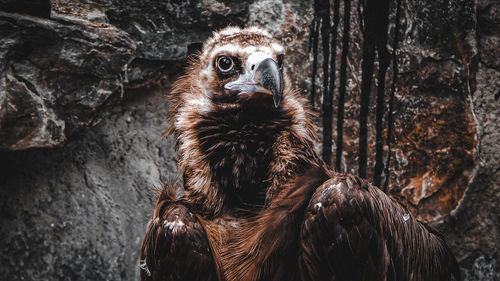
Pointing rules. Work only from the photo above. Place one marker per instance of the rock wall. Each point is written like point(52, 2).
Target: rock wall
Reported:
point(474, 228)
point(82, 112)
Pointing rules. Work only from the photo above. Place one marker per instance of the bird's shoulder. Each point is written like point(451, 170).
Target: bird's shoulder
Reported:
point(365, 228)
point(173, 236)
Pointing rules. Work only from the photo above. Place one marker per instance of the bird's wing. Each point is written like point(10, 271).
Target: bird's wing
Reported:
point(353, 231)
point(175, 245)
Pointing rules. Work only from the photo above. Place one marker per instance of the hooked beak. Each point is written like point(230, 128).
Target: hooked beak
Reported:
point(265, 77)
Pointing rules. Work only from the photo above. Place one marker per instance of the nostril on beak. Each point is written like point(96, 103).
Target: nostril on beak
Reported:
point(253, 67)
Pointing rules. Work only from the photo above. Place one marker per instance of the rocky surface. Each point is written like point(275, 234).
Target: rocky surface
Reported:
point(474, 228)
point(79, 212)
point(39, 8)
point(57, 76)
point(435, 135)
point(435, 129)
point(82, 112)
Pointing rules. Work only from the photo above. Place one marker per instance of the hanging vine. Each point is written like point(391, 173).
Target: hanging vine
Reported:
point(342, 84)
point(328, 97)
point(313, 46)
point(327, 101)
point(384, 59)
point(395, 72)
point(374, 19)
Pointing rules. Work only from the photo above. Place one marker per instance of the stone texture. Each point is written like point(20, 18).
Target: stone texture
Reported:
point(82, 112)
point(39, 8)
point(79, 212)
point(435, 138)
point(473, 226)
point(488, 20)
point(436, 133)
point(62, 74)
point(57, 76)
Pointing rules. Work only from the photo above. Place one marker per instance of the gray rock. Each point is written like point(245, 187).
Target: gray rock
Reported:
point(477, 267)
point(57, 76)
point(38, 8)
point(473, 230)
point(79, 212)
point(489, 37)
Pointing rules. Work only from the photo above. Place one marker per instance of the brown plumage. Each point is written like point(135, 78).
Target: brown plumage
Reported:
point(259, 204)
point(175, 229)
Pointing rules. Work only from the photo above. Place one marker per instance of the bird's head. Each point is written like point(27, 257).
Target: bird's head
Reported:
point(238, 68)
point(238, 65)
point(228, 111)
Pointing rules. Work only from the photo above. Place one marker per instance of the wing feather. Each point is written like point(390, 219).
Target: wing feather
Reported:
point(175, 245)
point(368, 236)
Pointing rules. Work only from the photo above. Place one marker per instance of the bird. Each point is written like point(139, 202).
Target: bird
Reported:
point(257, 202)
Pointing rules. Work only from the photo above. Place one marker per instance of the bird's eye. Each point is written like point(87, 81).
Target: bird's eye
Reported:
point(225, 64)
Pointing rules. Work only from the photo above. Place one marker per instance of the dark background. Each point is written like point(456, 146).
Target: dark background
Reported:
point(82, 113)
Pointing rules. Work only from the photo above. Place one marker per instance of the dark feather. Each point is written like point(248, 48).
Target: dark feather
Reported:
point(350, 230)
point(353, 231)
point(175, 246)
point(264, 248)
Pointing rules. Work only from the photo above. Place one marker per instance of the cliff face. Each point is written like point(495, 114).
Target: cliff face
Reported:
point(82, 111)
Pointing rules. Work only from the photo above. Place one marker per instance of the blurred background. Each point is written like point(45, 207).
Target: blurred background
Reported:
point(83, 110)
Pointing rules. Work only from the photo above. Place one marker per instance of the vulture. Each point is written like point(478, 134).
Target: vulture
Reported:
point(257, 203)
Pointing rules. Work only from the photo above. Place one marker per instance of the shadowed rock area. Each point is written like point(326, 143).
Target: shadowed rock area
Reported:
point(82, 113)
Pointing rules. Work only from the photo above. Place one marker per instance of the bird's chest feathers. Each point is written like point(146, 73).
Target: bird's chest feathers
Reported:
point(238, 146)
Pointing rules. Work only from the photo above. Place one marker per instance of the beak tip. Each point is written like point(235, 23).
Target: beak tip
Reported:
point(269, 75)
point(276, 100)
